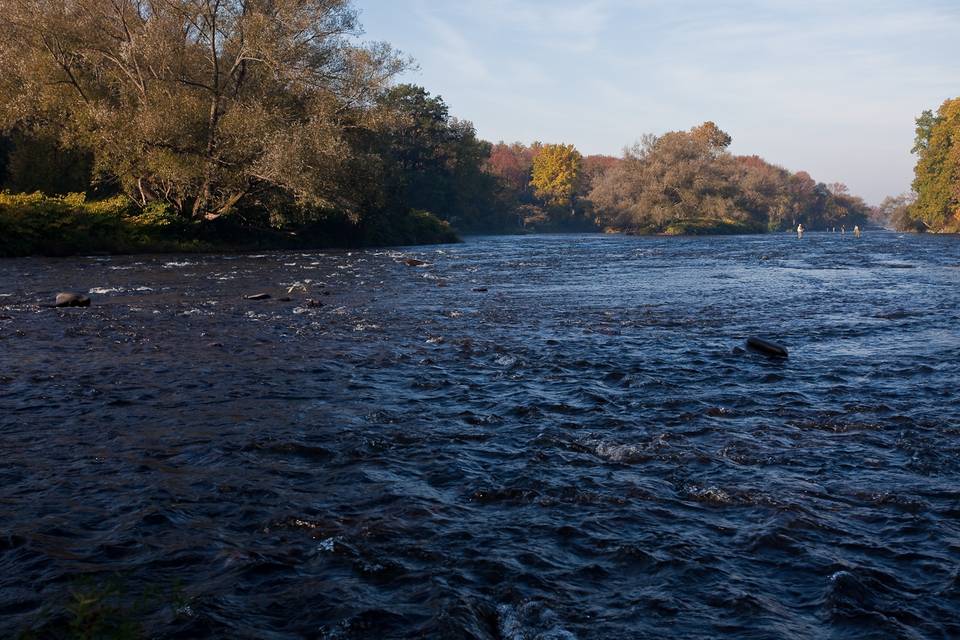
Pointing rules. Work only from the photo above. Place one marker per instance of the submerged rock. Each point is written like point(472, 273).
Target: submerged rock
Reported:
point(71, 300)
point(413, 262)
point(767, 348)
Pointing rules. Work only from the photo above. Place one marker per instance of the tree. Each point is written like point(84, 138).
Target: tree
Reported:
point(513, 164)
point(681, 175)
point(687, 180)
point(765, 191)
point(594, 167)
point(555, 174)
point(435, 162)
point(894, 212)
point(39, 163)
point(205, 105)
point(937, 173)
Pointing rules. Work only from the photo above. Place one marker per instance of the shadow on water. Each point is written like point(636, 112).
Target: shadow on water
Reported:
point(533, 437)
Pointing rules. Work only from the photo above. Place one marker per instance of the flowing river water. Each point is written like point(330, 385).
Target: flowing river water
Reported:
point(542, 437)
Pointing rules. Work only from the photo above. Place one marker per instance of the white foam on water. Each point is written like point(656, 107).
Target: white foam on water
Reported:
point(711, 494)
point(327, 546)
point(620, 452)
point(530, 622)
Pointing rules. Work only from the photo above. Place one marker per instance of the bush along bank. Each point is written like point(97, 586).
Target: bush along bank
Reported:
point(37, 224)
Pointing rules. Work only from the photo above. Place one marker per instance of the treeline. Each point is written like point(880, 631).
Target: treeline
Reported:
point(688, 182)
point(271, 122)
point(934, 203)
point(680, 182)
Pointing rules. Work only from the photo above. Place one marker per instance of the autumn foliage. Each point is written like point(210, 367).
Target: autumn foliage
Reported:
point(937, 173)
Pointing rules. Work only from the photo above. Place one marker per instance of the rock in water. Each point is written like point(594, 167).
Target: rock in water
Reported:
point(257, 296)
point(413, 262)
point(71, 300)
point(767, 348)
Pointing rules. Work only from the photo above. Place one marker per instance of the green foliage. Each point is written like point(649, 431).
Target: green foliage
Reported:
point(434, 162)
point(712, 227)
point(66, 225)
point(39, 163)
point(416, 227)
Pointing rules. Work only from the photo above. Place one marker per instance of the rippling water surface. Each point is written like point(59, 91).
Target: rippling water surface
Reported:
point(528, 438)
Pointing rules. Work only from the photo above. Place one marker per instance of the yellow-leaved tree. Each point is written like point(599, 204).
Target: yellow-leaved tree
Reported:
point(556, 171)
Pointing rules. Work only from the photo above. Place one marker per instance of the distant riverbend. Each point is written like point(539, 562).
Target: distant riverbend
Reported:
point(512, 437)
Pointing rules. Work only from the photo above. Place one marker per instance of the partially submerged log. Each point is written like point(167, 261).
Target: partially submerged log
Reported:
point(767, 348)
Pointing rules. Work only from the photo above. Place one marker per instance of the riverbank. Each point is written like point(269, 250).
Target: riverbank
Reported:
point(37, 224)
point(695, 227)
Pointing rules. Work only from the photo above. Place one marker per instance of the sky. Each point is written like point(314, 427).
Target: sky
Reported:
point(828, 87)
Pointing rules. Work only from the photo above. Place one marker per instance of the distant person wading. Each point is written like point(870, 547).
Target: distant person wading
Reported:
point(800, 231)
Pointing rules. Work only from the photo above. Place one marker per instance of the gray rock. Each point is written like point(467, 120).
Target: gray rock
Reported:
point(71, 300)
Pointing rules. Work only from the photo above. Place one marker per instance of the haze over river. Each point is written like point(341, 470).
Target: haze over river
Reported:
point(580, 449)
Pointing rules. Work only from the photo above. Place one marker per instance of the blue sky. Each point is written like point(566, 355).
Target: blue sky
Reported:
point(828, 87)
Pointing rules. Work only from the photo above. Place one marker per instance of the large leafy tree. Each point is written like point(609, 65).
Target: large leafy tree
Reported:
point(685, 176)
point(556, 174)
point(680, 175)
point(937, 173)
point(205, 105)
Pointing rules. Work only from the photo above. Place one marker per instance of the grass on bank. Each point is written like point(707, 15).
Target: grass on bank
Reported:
point(38, 224)
point(698, 227)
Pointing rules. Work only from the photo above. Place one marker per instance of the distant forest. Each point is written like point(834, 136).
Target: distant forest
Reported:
point(136, 125)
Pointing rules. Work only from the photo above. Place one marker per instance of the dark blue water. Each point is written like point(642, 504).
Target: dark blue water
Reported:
point(580, 451)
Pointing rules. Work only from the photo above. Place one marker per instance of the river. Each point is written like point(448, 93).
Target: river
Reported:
point(540, 437)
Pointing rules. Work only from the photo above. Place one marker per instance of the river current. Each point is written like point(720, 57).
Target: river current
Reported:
point(541, 437)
